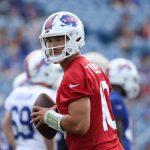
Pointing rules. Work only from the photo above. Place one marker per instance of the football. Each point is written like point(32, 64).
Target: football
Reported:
point(43, 100)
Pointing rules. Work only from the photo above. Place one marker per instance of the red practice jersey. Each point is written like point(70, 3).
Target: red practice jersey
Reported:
point(84, 79)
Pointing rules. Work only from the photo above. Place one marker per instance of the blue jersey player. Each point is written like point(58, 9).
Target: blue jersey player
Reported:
point(125, 83)
point(122, 118)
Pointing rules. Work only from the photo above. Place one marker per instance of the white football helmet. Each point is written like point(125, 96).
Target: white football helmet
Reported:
point(97, 59)
point(59, 24)
point(20, 80)
point(124, 73)
point(38, 71)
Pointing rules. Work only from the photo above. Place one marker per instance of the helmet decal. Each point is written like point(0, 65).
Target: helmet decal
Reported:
point(125, 66)
point(39, 65)
point(69, 20)
point(50, 23)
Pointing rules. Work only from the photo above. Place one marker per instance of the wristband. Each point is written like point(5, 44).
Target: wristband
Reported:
point(52, 119)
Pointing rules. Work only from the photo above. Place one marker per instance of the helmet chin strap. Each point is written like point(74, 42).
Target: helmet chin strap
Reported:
point(59, 61)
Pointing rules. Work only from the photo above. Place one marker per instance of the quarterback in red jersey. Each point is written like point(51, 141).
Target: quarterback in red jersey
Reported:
point(85, 112)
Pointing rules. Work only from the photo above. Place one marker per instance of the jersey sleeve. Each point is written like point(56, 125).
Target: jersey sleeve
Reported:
point(8, 102)
point(76, 85)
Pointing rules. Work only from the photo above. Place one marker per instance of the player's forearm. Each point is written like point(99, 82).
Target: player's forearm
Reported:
point(65, 123)
point(7, 128)
point(9, 135)
point(73, 126)
point(77, 121)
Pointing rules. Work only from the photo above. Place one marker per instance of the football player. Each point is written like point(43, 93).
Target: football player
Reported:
point(19, 80)
point(16, 123)
point(125, 83)
point(85, 112)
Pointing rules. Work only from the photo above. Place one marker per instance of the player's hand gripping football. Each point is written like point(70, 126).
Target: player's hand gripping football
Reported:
point(37, 115)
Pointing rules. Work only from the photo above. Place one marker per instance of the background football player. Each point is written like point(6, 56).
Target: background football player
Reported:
point(16, 123)
point(125, 83)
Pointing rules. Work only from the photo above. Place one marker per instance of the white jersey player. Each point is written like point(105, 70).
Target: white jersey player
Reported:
point(16, 124)
point(19, 104)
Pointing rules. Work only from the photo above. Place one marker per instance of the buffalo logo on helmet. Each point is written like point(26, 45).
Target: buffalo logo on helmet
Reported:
point(50, 23)
point(40, 64)
point(125, 66)
point(37, 67)
point(69, 20)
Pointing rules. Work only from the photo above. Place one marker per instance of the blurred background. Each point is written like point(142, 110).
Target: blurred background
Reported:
point(115, 28)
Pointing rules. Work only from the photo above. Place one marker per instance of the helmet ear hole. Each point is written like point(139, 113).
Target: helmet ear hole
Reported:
point(67, 38)
point(78, 39)
point(67, 53)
